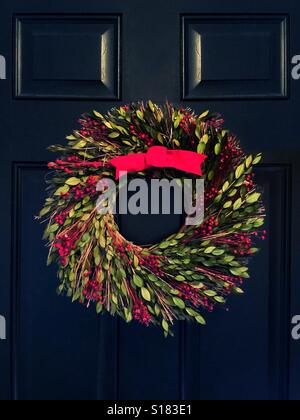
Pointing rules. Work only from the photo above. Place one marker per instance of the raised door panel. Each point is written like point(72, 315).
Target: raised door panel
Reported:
point(68, 57)
point(234, 56)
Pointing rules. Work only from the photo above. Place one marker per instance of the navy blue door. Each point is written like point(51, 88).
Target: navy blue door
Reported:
point(63, 59)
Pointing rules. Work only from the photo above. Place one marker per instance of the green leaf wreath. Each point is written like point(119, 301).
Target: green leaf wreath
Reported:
point(188, 273)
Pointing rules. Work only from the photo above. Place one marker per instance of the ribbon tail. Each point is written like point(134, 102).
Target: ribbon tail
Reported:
point(196, 167)
point(187, 161)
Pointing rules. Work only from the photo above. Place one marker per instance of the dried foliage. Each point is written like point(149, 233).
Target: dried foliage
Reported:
point(188, 273)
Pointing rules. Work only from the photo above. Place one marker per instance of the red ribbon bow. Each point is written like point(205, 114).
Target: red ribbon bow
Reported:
point(160, 157)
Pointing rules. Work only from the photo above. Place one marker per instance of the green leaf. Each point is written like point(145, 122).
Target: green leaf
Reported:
point(153, 278)
point(218, 252)
point(179, 302)
point(200, 320)
point(146, 294)
point(45, 211)
point(232, 193)
point(157, 310)
point(128, 315)
point(138, 281)
point(99, 308)
point(62, 190)
point(174, 292)
point(238, 290)
point(241, 181)
point(253, 198)
point(238, 204)
point(218, 198)
point(98, 115)
point(108, 124)
point(140, 115)
point(72, 277)
point(257, 159)
point(96, 252)
point(180, 278)
point(210, 175)
point(76, 296)
point(204, 115)
point(238, 271)
point(85, 200)
point(122, 129)
point(114, 298)
point(220, 299)
point(54, 228)
point(225, 186)
point(217, 149)
point(73, 181)
point(229, 258)
point(71, 138)
point(164, 245)
point(240, 171)
point(201, 148)
point(102, 241)
point(227, 205)
point(160, 138)
point(136, 261)
point(249, 161)
point(205, 139)
point(86, 237)
point(209, 250)
point(151, 310)
point(165, 325)
point(60, 289)
point(210, 293)
point(178, 121)
point(234, 264)
point(180, 236)
point(127, 143)
point(80, 145)
point(198, 132)
point(259, 223)
point(151, 106)
point(237, 226)
point(114, 135)
point(192, 312)
point(97, 256)
point(243, 191)
point(197, 285)
point(72, 213)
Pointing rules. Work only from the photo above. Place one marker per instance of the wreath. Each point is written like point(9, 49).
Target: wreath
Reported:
point(189, 272)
